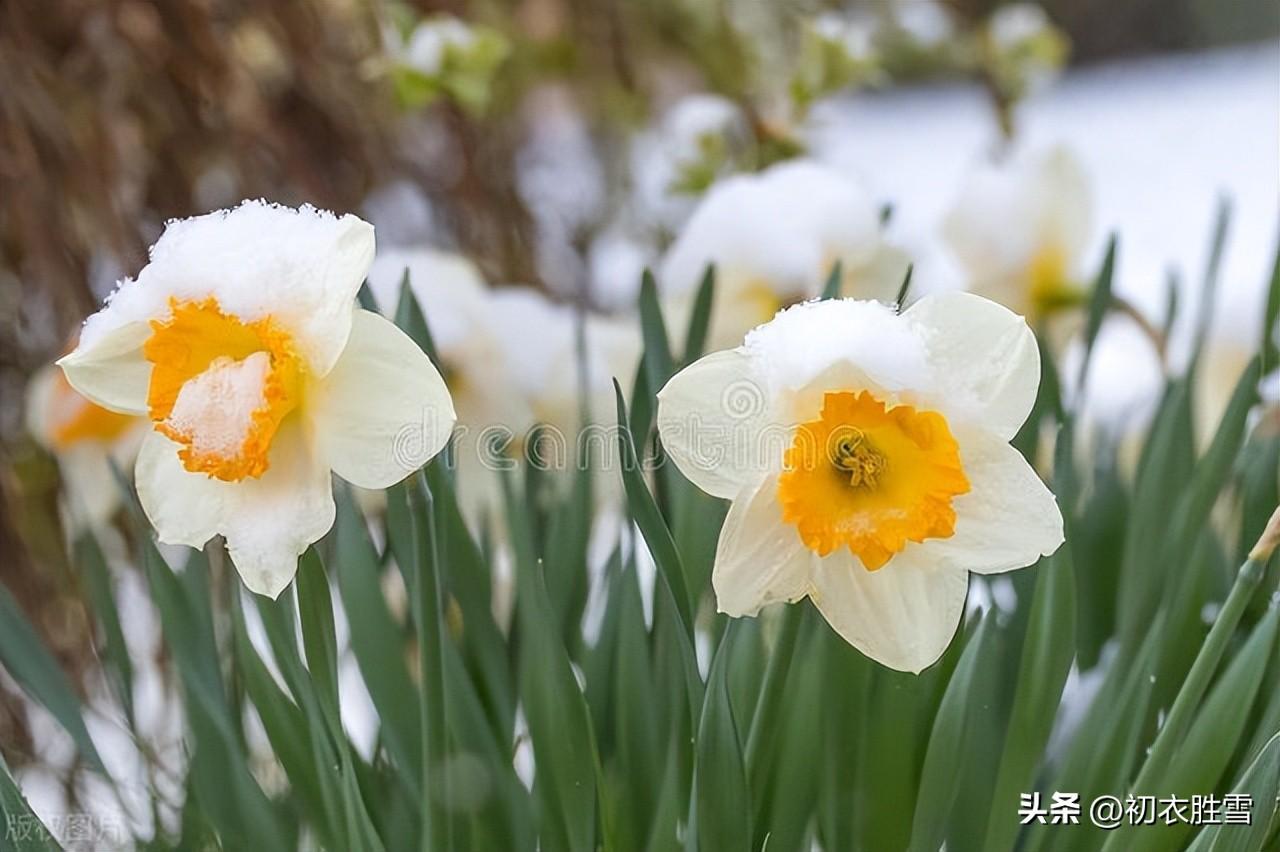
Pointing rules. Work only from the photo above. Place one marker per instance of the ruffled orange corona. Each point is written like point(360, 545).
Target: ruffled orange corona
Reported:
point(871, 477)
point(244, 380)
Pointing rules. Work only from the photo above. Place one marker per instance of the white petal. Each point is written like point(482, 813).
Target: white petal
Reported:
point(985, 358)
point(1008, 520)
point(449, 289)
point(274, 519)
point(268, 522)
point(92, 493)
point(300, 267)
point(185, 508)
point(903, 615)
point(1064, 199)
point(109, 369)
point(39, 399)
point(759, 559)
point(713, 418)
point(383, 411)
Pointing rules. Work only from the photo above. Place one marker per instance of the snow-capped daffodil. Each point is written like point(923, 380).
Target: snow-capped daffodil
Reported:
point(240, 341)
point(867, 459)
point(774, 238)
point(1019, 228)
point(86, 440)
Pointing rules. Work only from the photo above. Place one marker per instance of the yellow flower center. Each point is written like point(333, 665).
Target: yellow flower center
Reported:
point(221, 387)
point(73, 419)
point(871, 477)
point(1050, 288)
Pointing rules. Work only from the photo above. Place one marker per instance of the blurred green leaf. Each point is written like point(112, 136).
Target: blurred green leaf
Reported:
point(235, 805)
point(115, 652)
point(1261, 783)
point(831, 289)
point(1100, 300)
point(1202, 756)
point(23, 829)
point(34, 668)
point(1271, 319)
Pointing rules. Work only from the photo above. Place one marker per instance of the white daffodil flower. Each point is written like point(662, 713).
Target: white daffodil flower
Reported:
point(866, 454)
point(1019, 228)
point(510, 358)
point(241, 342)
point(774, 238)
point(86, 440)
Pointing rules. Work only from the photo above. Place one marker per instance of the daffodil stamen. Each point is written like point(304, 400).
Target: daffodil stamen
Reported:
point(852, 453)
point(887, 477)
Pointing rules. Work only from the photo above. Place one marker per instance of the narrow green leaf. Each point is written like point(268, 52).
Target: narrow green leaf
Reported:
point(36, 670)
point(723, 801)
point(950, 742)
point(410, 319)
point(1202, 756)
point(23, 829)
point(315, 607)
point(763, 732)
point(364, 296)
point(652, 526)
point(429, 619)
point(900, 301)
point(228, 795)
point(559, 726)
point(695, 339)
point(1046, 661)
point(284, 724)
point(1197, 680)
point(1271, 319)
point(1261, 783)
point(831, 289)
point(115, 653)
point(1099, 304)
point(658, 361)
point(1212, 270)
point(377, 644)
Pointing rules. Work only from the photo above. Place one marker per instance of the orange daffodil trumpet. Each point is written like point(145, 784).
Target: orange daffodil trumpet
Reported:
point(866, 454)
point(241, 342)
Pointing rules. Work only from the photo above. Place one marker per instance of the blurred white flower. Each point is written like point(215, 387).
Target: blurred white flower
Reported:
point(510, 358)
point(443, 54)
point(698, 139)
point(432, 39)
point(774, 238)
point(927, 23)
point(1019, 228)
point(86, 439)
point(240, 340)
point(866, 454)
point(1025, 49)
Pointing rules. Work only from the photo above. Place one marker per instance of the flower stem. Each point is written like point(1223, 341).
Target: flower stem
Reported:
point(1206, 663)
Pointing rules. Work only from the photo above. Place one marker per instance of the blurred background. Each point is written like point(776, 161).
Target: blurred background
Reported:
point(561, 144)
